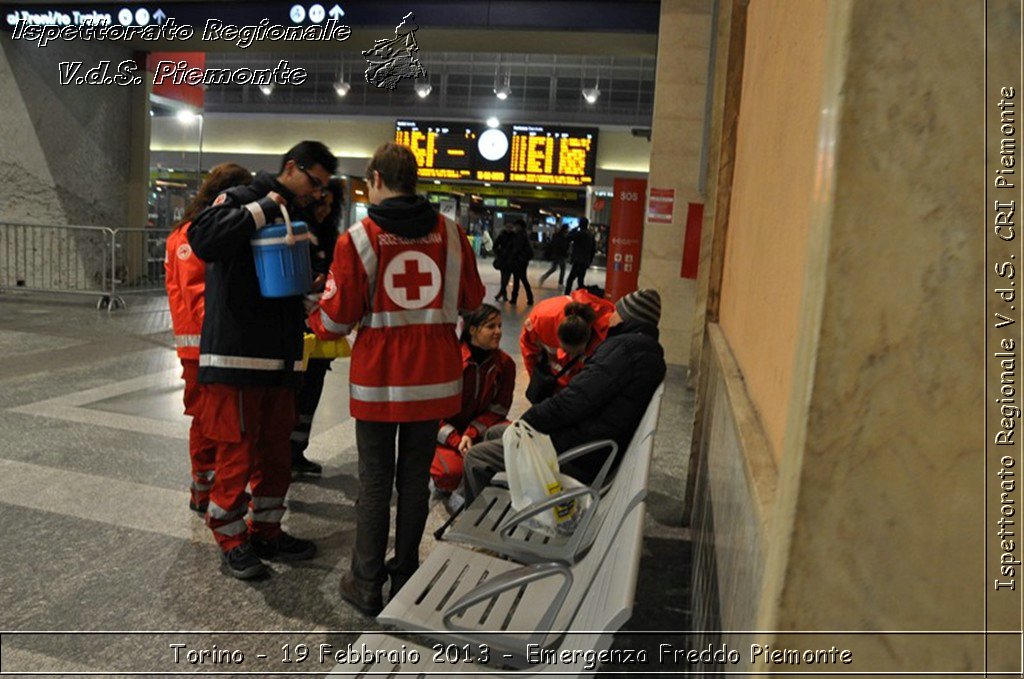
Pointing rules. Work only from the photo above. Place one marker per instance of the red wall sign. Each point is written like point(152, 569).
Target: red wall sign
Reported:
point(193, 95)
point(660, 205)
point(691, 241)
point(625, 237)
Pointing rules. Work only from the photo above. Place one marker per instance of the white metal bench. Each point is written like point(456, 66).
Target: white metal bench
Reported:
point(596, 608)
point(490, 523)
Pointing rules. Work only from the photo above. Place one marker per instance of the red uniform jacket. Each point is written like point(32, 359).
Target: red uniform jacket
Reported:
point(185, 281)
point(405, 293)
point(540, 332)
point(486, 397)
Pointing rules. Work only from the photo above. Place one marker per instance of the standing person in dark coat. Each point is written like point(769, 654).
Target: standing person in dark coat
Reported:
point(522, 253)
point(558, 249)
point(250, 362)
point(606, 400)
point(583, 250)
point(324, 218)
point(503, 248)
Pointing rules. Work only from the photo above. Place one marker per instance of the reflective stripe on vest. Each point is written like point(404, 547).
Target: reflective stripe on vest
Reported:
point(186, 341)
point(366, 253)
point(498, 409)
point(421, 392)
point(391, 319)
point(244, 362)
point(452, 272)
point(331, 326)
point(443, 434)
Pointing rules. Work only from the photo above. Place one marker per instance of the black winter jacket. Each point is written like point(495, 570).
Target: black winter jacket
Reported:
point(583, 247)
point(522, 251)
point(607, 399)
point(247, 339)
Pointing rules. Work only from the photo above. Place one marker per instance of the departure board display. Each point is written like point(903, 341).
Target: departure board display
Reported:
point(533, 154)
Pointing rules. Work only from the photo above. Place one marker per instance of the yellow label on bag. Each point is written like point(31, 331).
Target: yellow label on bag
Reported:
point(565, 511)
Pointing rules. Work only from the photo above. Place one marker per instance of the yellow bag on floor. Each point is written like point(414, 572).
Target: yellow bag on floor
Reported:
point(313, 347)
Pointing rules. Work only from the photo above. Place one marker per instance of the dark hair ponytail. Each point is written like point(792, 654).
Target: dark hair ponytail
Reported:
point(574, 329)
point(222, 177)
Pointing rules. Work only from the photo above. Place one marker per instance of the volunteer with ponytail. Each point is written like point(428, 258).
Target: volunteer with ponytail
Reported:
point(558, 336)
point(186, 280)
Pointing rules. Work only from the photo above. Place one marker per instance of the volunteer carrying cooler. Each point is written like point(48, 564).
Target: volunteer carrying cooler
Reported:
point(250, 350)
point(403, 273)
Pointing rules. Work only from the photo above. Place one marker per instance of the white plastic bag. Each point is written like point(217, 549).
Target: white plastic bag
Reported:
point(532, 468)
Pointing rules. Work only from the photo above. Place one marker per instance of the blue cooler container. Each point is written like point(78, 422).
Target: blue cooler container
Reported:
point(283, 268)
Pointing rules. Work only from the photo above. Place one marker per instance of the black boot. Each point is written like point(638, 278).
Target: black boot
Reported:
point(302, 465)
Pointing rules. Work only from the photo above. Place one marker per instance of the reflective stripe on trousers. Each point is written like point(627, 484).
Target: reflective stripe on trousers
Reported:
point(183, 341)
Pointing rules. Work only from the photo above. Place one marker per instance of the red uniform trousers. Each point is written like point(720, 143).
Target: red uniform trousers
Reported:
point(202, 451)
point(251, 426)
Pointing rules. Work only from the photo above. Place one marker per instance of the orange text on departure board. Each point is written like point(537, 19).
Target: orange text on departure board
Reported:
point(423, 145)
point(572, 156)
point(533, 154)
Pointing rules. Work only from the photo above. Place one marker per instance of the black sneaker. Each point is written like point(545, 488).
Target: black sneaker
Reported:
point(284, 548)
point(302, 465)
point(368, 601)
point(242, 562)
point(199, 509)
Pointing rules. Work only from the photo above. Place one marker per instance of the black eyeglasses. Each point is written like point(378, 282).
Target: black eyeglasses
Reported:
point(317, 184)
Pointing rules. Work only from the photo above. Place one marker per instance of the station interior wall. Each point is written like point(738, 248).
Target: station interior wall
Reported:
point(837, 466)
point(70, 155)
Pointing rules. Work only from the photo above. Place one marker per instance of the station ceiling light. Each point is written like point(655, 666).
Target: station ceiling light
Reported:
point(591, 94)
point(422, 88)
point(503, 92)
point(493, 122)
point(267, 89)
point(341, 88)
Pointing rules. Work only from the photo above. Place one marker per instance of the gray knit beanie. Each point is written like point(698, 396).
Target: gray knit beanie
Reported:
point(641, 305)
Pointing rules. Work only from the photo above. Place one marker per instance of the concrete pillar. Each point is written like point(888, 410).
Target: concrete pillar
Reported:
point(677, 134)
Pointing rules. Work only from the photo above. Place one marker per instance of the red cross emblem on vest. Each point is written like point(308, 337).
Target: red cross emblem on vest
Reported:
point(412, 280)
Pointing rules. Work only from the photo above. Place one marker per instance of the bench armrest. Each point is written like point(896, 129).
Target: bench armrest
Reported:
point(514, 579)
point(587, 448)
point(511, 523)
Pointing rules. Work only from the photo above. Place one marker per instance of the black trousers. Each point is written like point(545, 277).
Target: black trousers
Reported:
point(307, 401)
point(519, 275)
point(378, 472)
point(577, 272)
point(558, 264)
point(503, 285)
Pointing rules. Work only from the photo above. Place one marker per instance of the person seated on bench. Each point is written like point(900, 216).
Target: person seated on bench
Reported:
point(606, 400)
point(488, 382)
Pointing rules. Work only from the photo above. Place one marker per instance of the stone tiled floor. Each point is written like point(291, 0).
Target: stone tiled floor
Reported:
point(97, 535)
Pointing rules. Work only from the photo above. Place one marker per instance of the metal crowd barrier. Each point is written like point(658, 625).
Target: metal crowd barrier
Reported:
point(85, 260)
